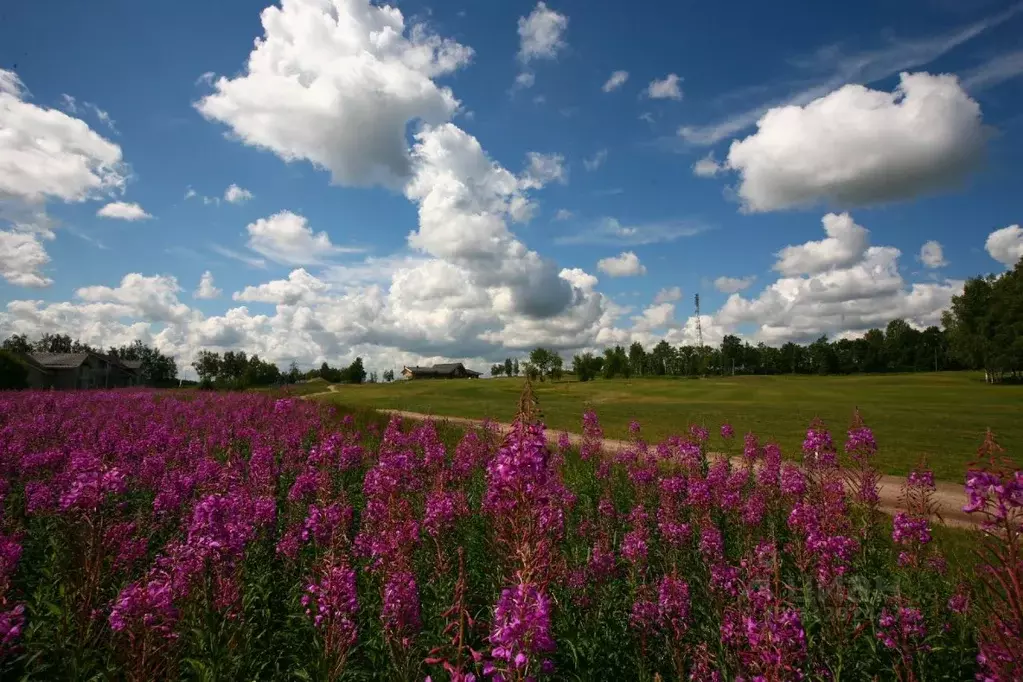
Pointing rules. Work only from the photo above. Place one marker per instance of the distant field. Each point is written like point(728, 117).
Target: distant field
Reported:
point(941, 415)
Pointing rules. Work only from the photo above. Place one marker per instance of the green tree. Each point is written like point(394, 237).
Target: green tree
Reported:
point(731, 353)
point(388, 375)
point(13, 374)
point(508, 367)
point(874, 357)
point(637, 358)
point(496, 370)
point(54, 343)
point(968, 323)
point(822, 357)
point(156, 368)
point(207, 366)
point(586, 366)
point(17, 343)
point(545, 361)
point(355, 373)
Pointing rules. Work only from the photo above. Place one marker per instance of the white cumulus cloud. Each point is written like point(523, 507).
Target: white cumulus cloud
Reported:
point(625, 264)
point(336, 84)
point(46, 154)
point(668, 295)
point(543, 169)
point(541, 34)
point(122, 210)
point(236, 195)
point(857, 146)
point(665, 88)
point(932, 255)
point(299, 287)
point(707, 167)
point(153, 298)
point(845, 244)
point(287, 238)
point(731, 285)
point(615, 81)
point(1006, 245)
point(206, 289)
point(22, 256)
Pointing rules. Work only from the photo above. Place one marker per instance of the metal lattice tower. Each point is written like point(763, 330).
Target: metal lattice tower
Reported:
point(699, 327)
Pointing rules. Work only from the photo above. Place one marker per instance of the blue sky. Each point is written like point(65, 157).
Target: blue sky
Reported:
point(387, 205)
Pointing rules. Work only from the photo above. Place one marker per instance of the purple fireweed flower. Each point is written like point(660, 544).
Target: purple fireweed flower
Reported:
point(690, 454)
point(699, 494)
point(470, 454)
point(860, 443)
point(727, 431)
point(644, 615)
point(521, 631)
point(10, 553)
point(121, 543)
point(959, 603)
point(12, 622)
point(593, 436)
point(674, 533)
point(754, 509)
point(751, 450)
point(443, 508)
point(907, 529)
point(326, 524)
point(768, 475)
point(724, 579)
point(921, 479)
point(793, 482)
point(331, 601)
point(818, 449)
point(400, 611)
point(698, 433)
point(601, 564)
point(711, 545)
point(833, 555)
point(634, 546)
point(634, 428)
point(673, 605)
point(902, 629)
point(39, 497)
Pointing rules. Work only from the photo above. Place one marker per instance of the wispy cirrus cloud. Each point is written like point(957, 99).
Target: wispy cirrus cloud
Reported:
point(833, 66)
point(996, 70)
point(239, 256)
point(611, 231)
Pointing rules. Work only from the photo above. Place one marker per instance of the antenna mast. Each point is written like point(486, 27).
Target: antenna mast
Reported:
point(699, 327)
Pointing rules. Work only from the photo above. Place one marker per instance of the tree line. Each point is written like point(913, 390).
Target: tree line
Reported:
point(982, 330)
point(984, 325)
point(156, 369)
point(508, 368)
point(236, 370)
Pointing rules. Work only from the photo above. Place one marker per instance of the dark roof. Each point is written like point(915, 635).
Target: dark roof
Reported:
point(444, 368)
point(27, 359)
point(60, 360)
point(72, 360)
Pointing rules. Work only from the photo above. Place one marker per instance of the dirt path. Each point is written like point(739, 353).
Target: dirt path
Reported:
point(949, 498)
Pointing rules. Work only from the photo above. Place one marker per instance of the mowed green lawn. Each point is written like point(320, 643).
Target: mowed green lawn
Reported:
point(940, 415)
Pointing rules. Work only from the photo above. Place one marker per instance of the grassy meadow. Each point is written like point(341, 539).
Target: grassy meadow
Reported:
point(940, 415)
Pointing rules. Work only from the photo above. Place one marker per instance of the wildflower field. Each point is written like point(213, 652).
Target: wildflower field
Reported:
point(150, 536)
